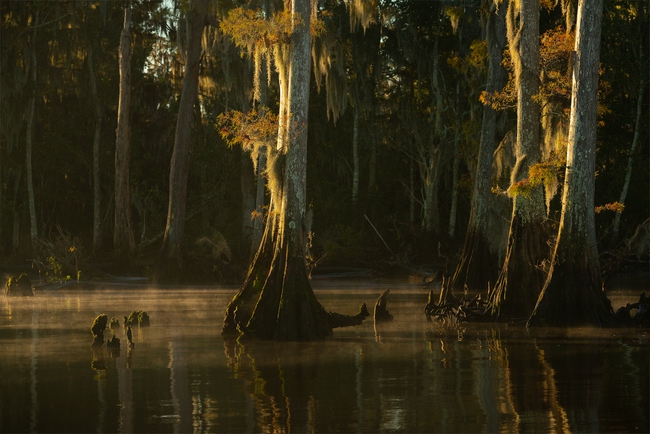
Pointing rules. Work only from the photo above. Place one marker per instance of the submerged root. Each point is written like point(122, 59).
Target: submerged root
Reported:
point(449, 310)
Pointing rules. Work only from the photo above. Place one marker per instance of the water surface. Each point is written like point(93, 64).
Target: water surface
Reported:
point(406, 376)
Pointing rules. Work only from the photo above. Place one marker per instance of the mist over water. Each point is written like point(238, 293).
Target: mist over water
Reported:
point(408, 375)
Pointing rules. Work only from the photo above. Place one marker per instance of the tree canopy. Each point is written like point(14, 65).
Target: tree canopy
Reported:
point(396, 107)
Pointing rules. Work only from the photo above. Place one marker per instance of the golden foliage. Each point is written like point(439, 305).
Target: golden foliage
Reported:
point(546, 173)
point(614, 206)
point(249, 28)
point(250, 129)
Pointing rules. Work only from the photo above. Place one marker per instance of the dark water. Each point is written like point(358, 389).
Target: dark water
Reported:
point(408, 376)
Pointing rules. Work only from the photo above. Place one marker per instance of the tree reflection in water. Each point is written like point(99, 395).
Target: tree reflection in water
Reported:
point(406, 375)
point(279, 377)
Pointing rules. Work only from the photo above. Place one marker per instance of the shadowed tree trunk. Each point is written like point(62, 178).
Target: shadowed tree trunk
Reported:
point(630, 161)
point(169, 266)
point(97, 224)
point(478, 266)
point(455, 165)
point(572, 294)
point(521, 278)
point(29, 135)
point(431, 181)
point(355, 155)
point(123, 242)
point(276, 300)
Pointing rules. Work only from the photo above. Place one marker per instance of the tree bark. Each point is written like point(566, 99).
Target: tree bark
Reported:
point(169, 265)
point(123, 241)
point(260, 201)
point(29, 135)
point(630, 161)
point(97, 224)
point(572, 293)
point(521, 278)
point(431, 180)
point(276, 300)
point(455, 168)
point(478, 265)
point(248, 196)
point(355, 156)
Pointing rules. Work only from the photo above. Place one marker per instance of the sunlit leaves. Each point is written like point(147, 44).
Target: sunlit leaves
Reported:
point(546, 173)
point(250, 28)
point(614, 206)
point(248, 129)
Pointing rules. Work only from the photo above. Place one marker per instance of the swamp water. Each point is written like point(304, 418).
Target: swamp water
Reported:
point(407, 376)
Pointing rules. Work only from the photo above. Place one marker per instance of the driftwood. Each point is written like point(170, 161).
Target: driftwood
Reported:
point(336, 320)
point(381, 313)
point(449, 309)
point(19, 287)
point(642, 317)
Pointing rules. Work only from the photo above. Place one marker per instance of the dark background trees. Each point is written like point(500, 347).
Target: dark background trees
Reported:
point(409, 120)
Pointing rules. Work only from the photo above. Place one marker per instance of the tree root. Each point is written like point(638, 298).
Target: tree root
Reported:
point(336, 320)
point(642, 317)
point(450, 310)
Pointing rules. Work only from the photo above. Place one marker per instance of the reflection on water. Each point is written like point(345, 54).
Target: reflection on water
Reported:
point(407, 375)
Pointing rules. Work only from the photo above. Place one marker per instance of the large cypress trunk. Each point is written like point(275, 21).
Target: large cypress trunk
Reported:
point(521, 277)
point(276, 300)
point(572, 294)
point(169, 266)
point(478, 266)
point(123, 242)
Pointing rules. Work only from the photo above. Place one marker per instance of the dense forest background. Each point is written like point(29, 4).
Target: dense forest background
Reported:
point(397, 95)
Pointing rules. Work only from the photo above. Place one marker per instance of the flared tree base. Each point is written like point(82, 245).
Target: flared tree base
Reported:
point(277, 302)
point(572, 297)
point(522, 277)
point(478, 269)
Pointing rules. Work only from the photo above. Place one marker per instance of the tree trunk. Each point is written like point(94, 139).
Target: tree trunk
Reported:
point(123, 242)
point(572, 294)
point(630, 161)
point(169, 266)
point(260, 188)
point(97, 224)
point(355, 156)
point(276, 300)
point(455, 168)
point(521, 278)
point(431, 181)
point(248, 196)
point(260, 201)
point(29, 135)
point(478, 265)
